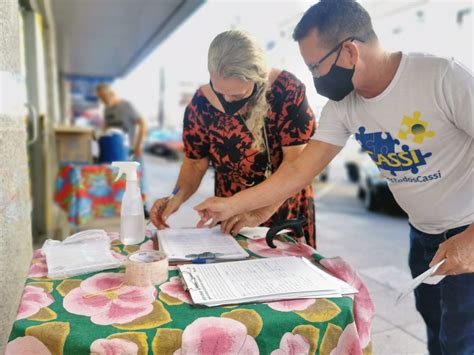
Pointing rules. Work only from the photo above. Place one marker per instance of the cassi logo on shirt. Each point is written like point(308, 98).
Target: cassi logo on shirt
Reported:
point(381, 146)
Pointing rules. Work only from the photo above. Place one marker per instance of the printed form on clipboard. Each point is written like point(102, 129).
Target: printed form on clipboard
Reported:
point(186, 244)
point(260, 280)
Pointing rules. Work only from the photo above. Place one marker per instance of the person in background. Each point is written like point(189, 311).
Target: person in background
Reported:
point(413, 114)
point(120, 113)
point(247, 122)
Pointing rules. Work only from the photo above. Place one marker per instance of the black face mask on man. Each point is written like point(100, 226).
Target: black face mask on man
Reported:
point(231, 108)
point(337, 83)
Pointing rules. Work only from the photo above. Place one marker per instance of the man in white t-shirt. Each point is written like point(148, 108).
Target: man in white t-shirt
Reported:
point(413, 114)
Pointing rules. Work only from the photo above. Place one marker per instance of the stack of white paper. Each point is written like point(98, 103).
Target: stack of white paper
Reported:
point(178, 244)
point(260, 280)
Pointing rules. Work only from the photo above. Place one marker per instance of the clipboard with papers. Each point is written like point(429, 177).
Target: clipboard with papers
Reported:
point(183, 242)
point(187, 244)
point(259, 280)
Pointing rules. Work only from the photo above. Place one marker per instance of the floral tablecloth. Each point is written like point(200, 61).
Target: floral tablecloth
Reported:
point(88, 191)
point(93, 313)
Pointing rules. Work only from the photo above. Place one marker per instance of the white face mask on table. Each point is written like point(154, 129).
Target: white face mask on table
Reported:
point(81, 253)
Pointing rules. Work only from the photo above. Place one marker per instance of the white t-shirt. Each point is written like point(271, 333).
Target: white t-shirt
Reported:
point(419, 131)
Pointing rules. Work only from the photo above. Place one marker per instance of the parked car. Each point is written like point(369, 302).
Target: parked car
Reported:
point(165, 143)
point(373, 188)
point(324, 175)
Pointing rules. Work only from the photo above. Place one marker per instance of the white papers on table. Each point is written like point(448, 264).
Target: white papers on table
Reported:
point(81, 253)
point(258, 232)
point(260, 280)
point(178, 243)
point(423, 278)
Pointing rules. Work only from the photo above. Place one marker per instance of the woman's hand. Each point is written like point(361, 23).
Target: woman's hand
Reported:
point(162, 209)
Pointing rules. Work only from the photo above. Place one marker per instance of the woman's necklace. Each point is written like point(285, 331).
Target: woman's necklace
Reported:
point(268, 168)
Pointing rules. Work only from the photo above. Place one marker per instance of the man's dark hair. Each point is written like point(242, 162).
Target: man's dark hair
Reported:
point(336, 20)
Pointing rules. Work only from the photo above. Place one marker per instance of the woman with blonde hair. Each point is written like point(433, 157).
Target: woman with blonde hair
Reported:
point(248, 121)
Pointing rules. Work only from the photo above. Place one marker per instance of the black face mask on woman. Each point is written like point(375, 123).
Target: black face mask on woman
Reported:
point(231, 108)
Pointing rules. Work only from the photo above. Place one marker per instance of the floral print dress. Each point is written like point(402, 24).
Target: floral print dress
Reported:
point(226, 141)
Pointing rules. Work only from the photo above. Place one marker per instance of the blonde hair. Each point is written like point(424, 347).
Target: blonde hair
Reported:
point(236, 54)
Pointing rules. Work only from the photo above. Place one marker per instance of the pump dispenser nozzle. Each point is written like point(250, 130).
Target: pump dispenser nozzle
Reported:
point(127, 167)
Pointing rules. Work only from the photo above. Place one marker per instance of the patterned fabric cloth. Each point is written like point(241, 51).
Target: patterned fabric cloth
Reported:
point(226, 141)
point(96, 313)
point(88, 191)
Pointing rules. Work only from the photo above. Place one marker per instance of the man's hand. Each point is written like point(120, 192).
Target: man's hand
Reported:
point(459, 253)
point(216, 209)
point(234, 224)
point(162, 209)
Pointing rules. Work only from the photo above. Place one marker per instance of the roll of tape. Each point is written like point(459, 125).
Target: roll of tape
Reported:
point(146, 268)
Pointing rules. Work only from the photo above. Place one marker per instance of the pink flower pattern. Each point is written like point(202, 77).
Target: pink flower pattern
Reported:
point(216, 336)
point(260, 248)
point(26, 346)
point(113, 347)
point(38, 267)
point(149, 233)
point(348, 343)
point(148, 245)
point(364, 308)
point(292, 344)
point(106, 299)
point(291, 305)
point(174, 288)
point(33, 299)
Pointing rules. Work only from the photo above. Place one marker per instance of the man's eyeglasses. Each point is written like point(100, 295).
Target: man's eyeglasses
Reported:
point(314, 68)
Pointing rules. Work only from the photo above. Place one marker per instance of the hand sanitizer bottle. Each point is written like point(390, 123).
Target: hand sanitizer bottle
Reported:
point(132, 219)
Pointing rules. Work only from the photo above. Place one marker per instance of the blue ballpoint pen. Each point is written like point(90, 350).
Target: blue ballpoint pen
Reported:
point(202, 261)
point(174, 193)
point(204, 258)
